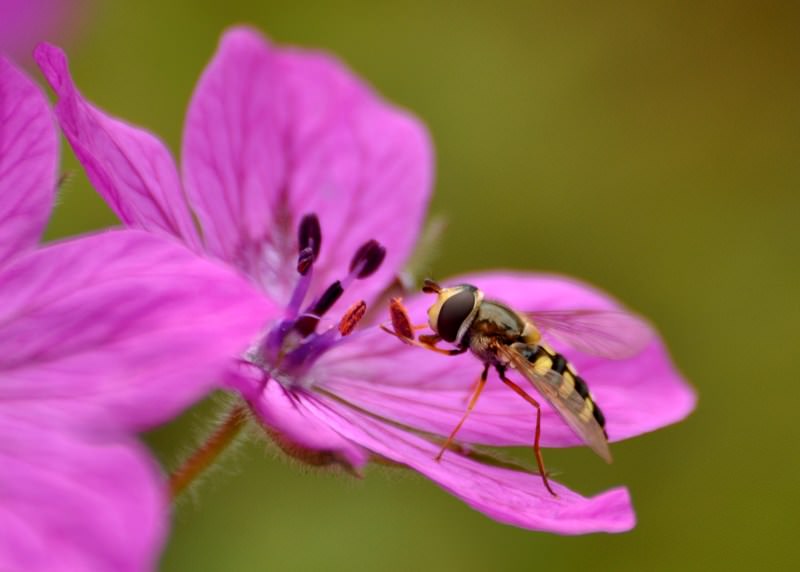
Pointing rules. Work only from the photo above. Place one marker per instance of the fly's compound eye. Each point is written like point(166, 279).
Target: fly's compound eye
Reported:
point(453, 312)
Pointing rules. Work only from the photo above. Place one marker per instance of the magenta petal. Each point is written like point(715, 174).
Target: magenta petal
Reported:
point(26, 22)
point(299, 432)
point(28, 161)
point(122, 328)
point(128, 166)
point(512, 497)
point(273, 134)
point(70, 505)
point(429, 392)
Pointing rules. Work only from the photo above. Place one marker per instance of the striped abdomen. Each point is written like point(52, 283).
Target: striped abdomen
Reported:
point(570, 385)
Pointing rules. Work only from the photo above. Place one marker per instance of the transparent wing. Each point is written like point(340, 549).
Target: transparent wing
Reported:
point(551, 386)
point(612, 334)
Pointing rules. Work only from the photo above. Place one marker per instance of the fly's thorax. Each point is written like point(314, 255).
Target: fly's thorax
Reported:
point(454, 311)
point(494, 324)
point(500, 322)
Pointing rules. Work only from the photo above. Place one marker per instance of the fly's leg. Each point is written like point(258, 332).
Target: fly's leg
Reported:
point(536, 449)
point(404, 331)
point(472, 401)
point(425, 343)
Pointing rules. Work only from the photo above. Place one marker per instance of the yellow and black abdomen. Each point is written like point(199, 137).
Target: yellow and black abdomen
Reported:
point(570, 386)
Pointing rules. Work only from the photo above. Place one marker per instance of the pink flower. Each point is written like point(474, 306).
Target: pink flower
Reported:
point(24, 23)
point(274, 134)
point(100, 336)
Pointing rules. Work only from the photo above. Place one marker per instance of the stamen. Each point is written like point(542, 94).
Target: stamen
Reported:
point(307, 323)
point(309, 234)
point(304, 260)
point(367, 259)
point(315, 345)
point(293, 344)
point(328, 299)
point(352, 317)
point(309, 240)
point(364, 263)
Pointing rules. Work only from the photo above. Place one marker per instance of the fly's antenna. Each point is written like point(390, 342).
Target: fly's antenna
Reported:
point(430, 287)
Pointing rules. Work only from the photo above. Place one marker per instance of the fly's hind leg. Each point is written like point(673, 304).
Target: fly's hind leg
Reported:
point(472, 401)
point(536, 448)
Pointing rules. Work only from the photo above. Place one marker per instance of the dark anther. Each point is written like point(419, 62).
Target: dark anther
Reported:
point(430, 287)
point(328, 299)
point(401, 323)
point(309, 234)
point(368, 258)
point(304, 260)
point(307, 323)
point(352, 317)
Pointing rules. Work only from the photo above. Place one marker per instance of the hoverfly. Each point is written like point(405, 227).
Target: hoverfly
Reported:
point(504, 339)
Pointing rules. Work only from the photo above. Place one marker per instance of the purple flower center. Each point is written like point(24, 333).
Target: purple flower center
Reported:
point(292, 345)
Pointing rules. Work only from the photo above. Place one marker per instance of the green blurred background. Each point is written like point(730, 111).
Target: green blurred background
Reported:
point(649, 148)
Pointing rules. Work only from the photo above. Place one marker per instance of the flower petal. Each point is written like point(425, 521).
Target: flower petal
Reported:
point(26, 22)
point(428, 391)
point(121, 328)
point(28, 161)
point(273, 134)
point(289, 424)
point(128, 166)
point(71, 505)
point(508, 496)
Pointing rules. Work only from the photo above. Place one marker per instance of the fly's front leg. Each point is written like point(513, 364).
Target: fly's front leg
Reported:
point(403, 330)
point(426, 343)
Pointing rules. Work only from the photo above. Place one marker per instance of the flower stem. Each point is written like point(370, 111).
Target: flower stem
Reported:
point(208, 452)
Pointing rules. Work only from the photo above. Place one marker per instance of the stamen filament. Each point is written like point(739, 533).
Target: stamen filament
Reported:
point(208, 452)
point(309, 241)
point(305, 268)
